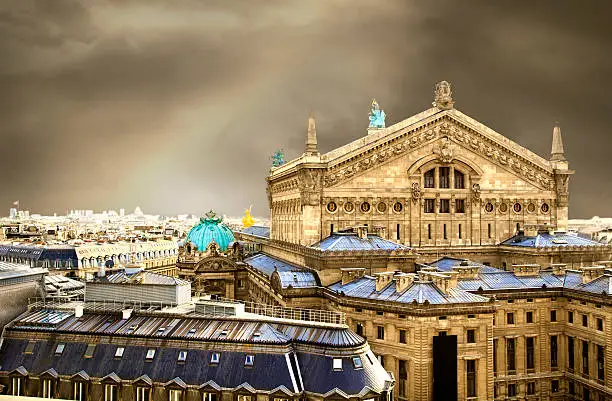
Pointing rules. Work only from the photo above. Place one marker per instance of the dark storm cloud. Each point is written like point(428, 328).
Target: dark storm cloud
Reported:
point(176, 106)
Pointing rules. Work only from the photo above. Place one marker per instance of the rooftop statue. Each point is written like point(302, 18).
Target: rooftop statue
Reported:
point(443, 96)
point(377, 116)
point(278, 158)
point(211, 217)
point(248, 220)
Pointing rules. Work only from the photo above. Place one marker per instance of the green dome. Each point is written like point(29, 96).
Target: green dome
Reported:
point(209, 229)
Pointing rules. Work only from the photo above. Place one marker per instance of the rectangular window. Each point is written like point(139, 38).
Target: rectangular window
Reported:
point(511, 390)
point(337, 364)
point(554, 386)
point(429, 205)
point(554, 353)
point(444, 205)
point(242, 397)
point(570, 352)
point(357, 364)
point(495, 356)
point(585, 320)
point(600, 363)
point(570, 317)
point(78, 391)
point(471, 336)
point(214, 357)
point(429, 231)
point(249, 360)
point(119, 352)
point(29, 347)
point(381, 360)
point(428, 179)
point(397, 228)
point(570, 388)
point(510, 318)
point(143, 393)
point(47, 388)
point(459, 180)
point(380, 332)
point(175, 395)
point(403, 378)
point(459, 205)
point(402, 336)
point(110, 392)
point(489, 229)
point(150, 354)
point(89, 351)
point(553, 315)
point(470, 370)
point(182, 356)
point(599, 324)
point(444, 231)
point(359, 329)
point(459, 233)
point(531, 388)
point(529, 317)
point(444, 175)
point(209, 396)
point(585, 357)
point(331, 228)
point(59, 349)
point(530, 351)
point(511, 355)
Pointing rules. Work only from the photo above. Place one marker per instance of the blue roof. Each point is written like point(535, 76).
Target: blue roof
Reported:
point(289, 275)
point(257, 231)
point(446, 264)
point(546, 240)
point(209, 229)
point(352, 242)
point(419, 291)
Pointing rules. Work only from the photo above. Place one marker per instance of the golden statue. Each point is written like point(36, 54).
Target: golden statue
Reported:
point(248, 220)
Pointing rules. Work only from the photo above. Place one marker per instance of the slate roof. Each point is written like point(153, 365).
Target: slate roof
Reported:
point(289, 274)
point(446, 264)
point(352, 242)
point(421, 291)
point(547, 240)
point(144, 277)
point(257, 231)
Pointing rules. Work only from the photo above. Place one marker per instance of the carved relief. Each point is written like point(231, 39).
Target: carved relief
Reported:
point(445, 151)
point(416, 191)
point(310, 187)
point(562, 189)
point(476, 192)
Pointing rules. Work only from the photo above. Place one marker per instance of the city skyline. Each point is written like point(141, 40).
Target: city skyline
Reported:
point(177, 109)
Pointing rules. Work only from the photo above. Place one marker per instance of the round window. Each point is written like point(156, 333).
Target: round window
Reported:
point(489, 207)
point(545, 208)
point(365, 207)
point(382, 207)
point(517, 207)
point(331, 207)
point(349, 207)
point(398, 207)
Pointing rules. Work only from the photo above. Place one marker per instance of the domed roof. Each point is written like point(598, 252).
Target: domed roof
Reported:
point(209, 229)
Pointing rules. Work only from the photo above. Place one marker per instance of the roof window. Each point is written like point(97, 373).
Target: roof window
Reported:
point(337, 364)
point(59, 349)
point(150, 354)
point(357, 362)
point(249, 360)
point(182, 356)
point(89, 351)
point(30, 347)
point(119, 352)
point(214, 357)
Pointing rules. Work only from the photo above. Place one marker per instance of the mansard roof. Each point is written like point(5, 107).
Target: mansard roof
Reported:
point(548, 240)
point(352, 242)
point(288, 274)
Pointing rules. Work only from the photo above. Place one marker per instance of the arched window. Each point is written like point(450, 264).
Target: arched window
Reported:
point(429, 181)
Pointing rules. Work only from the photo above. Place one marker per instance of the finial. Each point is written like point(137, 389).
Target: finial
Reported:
point(377, 116)
point(557, 152)
point(311, 137)
point(443, 96)
point(278, 158)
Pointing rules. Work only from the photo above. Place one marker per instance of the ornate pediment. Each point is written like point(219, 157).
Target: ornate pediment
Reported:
point(452, 135)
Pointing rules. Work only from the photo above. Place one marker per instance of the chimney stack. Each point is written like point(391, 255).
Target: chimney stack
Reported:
point(383, 279)
point(403, 281)
point(350, 274)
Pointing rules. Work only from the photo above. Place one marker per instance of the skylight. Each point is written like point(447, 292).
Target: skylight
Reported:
point(182, 355)
point(150, 353)
point(59, 349)
point(357, 362)
point(249, 360)
point(337, 364)
point(119, 352)
point(214, 357)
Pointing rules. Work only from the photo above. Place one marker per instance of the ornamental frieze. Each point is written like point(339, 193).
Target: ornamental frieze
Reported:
point(470, 139)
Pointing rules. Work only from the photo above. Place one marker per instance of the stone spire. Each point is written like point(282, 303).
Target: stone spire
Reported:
point(311, 138)
point(557, 153)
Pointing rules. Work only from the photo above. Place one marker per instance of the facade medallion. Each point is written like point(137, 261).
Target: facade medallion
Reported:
point(545, 208)
point(398, 207)
point(365, 207)
point(382, 207)
point(517, 207)
point(503, 208)
point(332, 207)
point(531, 208)
point(349, 207)
point(489, 207)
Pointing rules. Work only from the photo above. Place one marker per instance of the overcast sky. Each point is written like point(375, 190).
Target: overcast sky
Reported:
point(176, 106)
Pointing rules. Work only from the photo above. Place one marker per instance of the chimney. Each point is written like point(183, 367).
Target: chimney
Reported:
point(403, 281)
point(466, 272)
point(379, 231)
point(311, 138)
point(127, 313)
point(350, 274)
point(531, 230)
point(557, 152)
point(101, 271)
point(362, 231)
point(78, 311)
point(558, 268)
point(383, 279)
point(526, 270)
point(591, 273)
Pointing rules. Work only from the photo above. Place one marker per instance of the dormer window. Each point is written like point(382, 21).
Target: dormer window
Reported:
point(182, 356)
point(191, 332)
point(59, 349)
point(214, 357)
point(357, 362)
point(150, 354)
point(119, 352)
point(337, 364)
point(249, 360)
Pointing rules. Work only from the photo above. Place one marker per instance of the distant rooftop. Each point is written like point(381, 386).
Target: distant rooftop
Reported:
point(257, 231)
point(547, 240)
